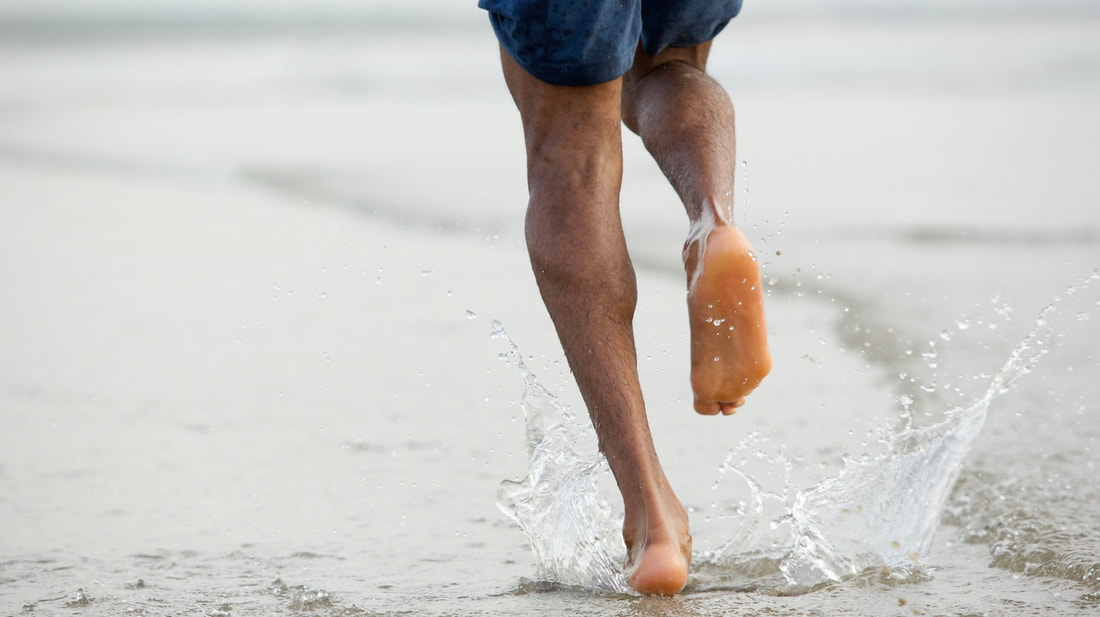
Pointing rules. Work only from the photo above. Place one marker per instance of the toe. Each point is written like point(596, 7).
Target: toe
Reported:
point(728, 409)
point(707, 408)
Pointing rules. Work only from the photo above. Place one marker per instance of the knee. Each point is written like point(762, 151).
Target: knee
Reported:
point(589, 165)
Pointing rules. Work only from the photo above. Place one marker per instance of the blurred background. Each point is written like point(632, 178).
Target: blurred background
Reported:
point(250, 253)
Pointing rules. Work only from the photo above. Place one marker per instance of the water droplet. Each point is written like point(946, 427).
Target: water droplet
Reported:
point(1001, 308)
point(425, 272)
point(716, 358)
point(946, 335)
point(470, 314)
point(962, 324)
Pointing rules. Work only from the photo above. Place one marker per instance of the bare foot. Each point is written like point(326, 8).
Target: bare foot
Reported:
point(729, 344)
point(660, 551)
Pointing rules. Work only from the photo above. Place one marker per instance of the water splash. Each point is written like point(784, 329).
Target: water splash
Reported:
point(1036, 510)
point(572, 532)
point(884, 510)
point(300, 597)
point(878, 512)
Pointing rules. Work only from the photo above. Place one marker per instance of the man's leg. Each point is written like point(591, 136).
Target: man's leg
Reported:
point(579, 256)
point(685, 120)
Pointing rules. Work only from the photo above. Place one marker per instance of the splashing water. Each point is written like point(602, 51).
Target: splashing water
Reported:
point(876, 512)
point(558, 505)
point(884, 510)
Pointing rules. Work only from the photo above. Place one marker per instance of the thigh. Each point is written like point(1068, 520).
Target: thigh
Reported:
point(565, 126)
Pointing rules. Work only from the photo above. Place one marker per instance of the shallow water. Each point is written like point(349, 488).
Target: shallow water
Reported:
point(1025, 546)
point(878, 513)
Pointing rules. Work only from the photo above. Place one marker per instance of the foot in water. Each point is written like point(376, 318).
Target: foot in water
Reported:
point(729, 344)
point(659, 549)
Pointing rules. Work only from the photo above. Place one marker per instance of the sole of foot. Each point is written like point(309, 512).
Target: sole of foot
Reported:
point(729, 344)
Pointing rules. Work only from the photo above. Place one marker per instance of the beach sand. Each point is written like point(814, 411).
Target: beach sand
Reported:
point(249, 280)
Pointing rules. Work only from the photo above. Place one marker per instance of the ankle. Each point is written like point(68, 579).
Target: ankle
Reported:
point(658, 510)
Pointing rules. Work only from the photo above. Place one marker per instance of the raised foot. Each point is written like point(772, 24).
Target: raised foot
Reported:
point(729, 344)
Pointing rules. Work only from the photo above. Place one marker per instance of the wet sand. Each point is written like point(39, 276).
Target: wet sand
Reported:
point(248, 285)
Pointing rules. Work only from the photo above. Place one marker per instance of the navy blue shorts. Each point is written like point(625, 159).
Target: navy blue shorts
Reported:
point(584, 42)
